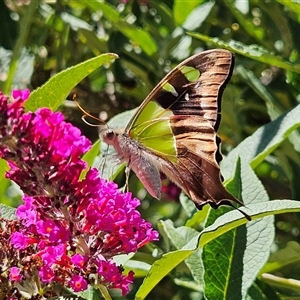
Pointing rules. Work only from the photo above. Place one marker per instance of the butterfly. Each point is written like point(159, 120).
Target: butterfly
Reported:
point(174, 131)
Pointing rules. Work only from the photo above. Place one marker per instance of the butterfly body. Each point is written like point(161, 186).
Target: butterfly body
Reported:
point(174, 130)
point(138, 159)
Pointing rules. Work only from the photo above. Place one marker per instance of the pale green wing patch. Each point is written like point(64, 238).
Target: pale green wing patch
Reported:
point(151, 126)
point(151, 111)
point(156, 135)
point(157, 104)
point(190, 73)
point(170, 88)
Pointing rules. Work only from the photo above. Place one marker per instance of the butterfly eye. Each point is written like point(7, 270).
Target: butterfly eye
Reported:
point(110, 134)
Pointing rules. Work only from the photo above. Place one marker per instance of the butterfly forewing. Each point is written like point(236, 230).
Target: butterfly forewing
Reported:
point(176, 125)
point(196, 88)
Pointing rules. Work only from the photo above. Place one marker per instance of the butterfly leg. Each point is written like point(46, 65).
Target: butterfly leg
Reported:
point(107, 164)
point(127, 173)
point(125, 187)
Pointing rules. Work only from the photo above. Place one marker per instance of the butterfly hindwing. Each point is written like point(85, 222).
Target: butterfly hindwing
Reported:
point(197, 168)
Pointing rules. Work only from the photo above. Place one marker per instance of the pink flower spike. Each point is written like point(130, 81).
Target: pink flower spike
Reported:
point(21, 94)
point(53, 230)
point(78, 283)
point(15, 274)
point(46, 274)
point(54, 255)
point(19, 240)
point(27, 211)
point(70, 228)
point(78, 260)
point(124, 285)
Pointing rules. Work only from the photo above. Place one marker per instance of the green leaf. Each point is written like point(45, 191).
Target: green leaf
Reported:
point(56, 89)
point(129, 263)
point(92, 154)
point(248, 187)
point(234, 218)
point(188, 206)
point(223, 224)
point(284, 257)
point(3, 168)
point(252, 51)
point(233, 260)
point(166, 14)
point(256, 147)
point(160, 269)
point(258, 33)
point(21, 75)
point(198, 15)
point(97, 45)
point(139, 268)
point(272, 103)
point(5, 184)
point(181, 9)
point(138, 35)
point(261, 291)
point(26, 22)
point(281, 283)
point(90, 158)
point(180, 237)
point(292, 5)
point(198, 217)
point(89, 294)
point(7, 212)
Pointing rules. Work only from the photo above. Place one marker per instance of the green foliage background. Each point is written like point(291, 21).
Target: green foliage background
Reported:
point(260, 117)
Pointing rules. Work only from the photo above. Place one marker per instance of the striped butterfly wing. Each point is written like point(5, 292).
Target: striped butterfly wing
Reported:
point(176, 126)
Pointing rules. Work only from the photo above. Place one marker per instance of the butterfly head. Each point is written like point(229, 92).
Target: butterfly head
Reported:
point(108, 135)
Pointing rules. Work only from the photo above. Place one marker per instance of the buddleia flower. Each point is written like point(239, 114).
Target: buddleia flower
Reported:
point(68, 229)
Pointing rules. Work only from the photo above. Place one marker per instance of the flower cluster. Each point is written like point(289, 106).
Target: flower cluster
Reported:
point(70, 228)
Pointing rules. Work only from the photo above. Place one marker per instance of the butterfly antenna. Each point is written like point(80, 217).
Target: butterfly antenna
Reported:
point(86, 114)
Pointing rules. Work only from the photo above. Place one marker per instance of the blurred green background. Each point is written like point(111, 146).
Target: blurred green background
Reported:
point(38, 39)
